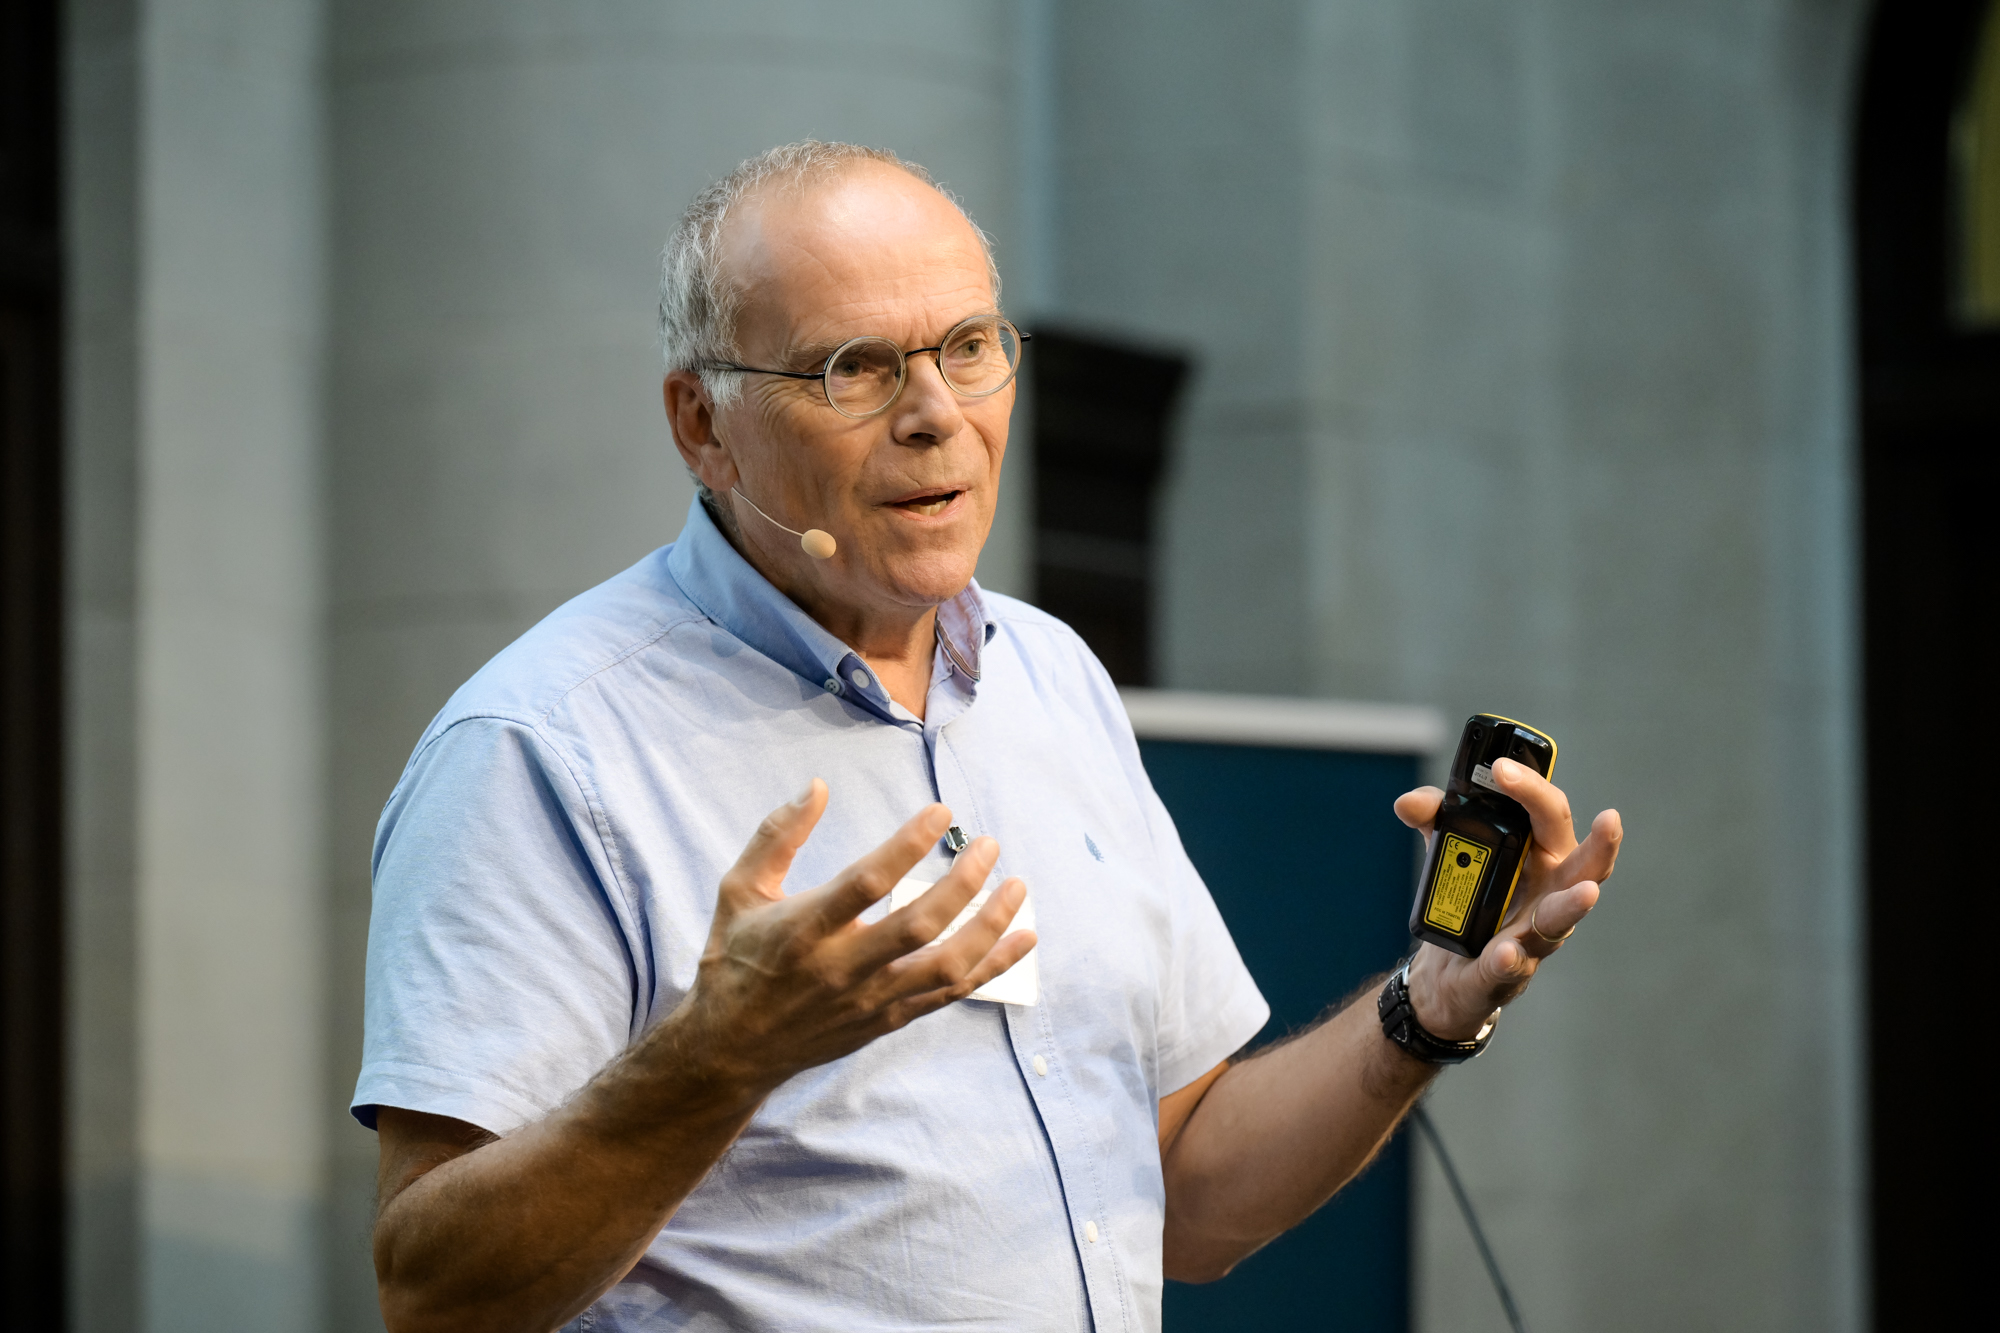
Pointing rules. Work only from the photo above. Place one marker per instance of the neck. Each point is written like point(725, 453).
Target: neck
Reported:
point(897, 641)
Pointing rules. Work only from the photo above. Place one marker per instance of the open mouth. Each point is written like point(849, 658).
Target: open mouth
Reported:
point(927, 504)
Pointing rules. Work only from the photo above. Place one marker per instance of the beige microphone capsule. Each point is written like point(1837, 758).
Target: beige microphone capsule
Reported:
point(815, 543)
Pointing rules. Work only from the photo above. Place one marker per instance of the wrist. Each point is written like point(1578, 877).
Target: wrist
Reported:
point(1402, 1026)
point(686, 1069)
point(1422, 973)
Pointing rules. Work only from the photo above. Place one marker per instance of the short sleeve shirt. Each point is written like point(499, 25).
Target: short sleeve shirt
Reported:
point(544, 880)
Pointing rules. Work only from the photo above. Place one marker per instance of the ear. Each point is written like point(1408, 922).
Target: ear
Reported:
point(691, 417)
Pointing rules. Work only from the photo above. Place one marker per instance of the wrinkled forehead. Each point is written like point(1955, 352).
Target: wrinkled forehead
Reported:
point(870, 250)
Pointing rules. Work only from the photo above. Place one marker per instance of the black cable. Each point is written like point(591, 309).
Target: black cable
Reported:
point(1423, 1119)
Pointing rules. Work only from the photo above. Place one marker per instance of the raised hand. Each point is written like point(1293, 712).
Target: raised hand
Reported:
point(787, 983)
point(524, 1231)
point(1560, 882)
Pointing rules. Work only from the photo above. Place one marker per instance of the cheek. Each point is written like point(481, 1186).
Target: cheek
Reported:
point(806, 454)
point(990, 429)
point(782, 419)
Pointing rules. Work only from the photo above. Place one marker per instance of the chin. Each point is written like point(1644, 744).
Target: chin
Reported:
point(928, 577)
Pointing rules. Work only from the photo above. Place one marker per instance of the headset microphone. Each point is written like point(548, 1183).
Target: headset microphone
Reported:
point(815, 543)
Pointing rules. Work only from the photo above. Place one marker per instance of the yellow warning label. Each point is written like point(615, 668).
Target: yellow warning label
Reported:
point(1460, 865)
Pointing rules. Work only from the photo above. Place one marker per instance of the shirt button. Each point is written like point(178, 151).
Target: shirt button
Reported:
point(1041, 1066)
point(1090, 1233)
point(860, 678)
point(832, 685)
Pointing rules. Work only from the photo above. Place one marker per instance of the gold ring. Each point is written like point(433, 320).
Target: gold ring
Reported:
point(1532, 913)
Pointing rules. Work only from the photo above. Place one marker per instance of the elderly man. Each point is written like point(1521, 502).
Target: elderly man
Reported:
point(632, 1073)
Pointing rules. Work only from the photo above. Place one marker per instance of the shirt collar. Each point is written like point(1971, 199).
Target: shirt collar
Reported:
point(729, 590)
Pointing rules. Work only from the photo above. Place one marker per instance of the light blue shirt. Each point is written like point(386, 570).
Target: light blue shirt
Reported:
point(545, 876)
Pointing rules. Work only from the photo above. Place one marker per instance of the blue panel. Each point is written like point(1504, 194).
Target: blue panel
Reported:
point(1314, 873)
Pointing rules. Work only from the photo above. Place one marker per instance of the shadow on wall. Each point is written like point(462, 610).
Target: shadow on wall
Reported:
point(1103, 413)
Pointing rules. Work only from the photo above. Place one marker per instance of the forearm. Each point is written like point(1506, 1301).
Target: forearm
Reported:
point(526, 1231)
point(1279, 1133)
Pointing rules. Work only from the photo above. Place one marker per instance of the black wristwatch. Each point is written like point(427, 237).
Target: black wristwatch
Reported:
point(1400, 1025)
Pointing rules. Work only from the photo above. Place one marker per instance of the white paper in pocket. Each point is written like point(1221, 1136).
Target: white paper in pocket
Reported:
point(1019, 984)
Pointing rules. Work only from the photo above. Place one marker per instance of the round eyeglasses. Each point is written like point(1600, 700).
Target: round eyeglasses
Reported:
point(865, 375)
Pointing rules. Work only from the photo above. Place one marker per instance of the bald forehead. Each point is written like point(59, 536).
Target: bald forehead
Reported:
point(867, 233)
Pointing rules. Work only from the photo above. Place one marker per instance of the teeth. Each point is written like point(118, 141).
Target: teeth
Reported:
point(930, 507)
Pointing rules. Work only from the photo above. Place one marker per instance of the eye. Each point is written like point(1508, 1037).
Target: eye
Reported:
point(970, 350)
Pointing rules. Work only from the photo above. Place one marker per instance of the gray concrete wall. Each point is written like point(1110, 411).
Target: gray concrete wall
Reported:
point(503, 178)
point(1524, 387)
point(228, 872)
point(197, 943)
point(1586, 337)
point(100, 566)
point(1179, 216)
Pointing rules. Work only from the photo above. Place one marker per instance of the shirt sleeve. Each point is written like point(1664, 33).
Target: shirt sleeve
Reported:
point(1209, 1005)
point(500, 968)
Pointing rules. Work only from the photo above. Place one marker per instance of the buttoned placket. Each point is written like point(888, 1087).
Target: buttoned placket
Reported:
point(1032, 1033)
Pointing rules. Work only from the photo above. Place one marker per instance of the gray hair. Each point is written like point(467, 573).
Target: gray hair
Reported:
point(698, 301)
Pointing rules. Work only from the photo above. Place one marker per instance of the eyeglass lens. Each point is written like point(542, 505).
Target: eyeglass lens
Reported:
point(978, 358)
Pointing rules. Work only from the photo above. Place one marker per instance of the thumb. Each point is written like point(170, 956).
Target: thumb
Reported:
point(1419, 808)
point(759, 873)
point(1504, 967)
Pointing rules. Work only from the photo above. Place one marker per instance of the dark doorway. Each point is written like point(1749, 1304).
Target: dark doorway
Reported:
point(1102, 411)
point(32, 1275)
point(1927, 213)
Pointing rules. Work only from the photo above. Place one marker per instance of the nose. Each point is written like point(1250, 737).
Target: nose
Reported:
point(927, 411)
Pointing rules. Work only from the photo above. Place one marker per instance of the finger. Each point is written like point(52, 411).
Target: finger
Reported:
point(917, 924)
point(954, 968)
point(869, 880)
point(1548, 807)
point(1419, 808)
point(1510, 959)
point(1004, 955)
point(953, 978)
point(1597, 855)
point(759, 873)
point(1543, 928)
point(975, 940)
point(1506, 965)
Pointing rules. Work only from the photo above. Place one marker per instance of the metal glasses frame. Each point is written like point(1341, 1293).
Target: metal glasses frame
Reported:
point(902, 366)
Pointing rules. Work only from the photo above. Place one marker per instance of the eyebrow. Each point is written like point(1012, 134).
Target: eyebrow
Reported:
point(811, 356)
